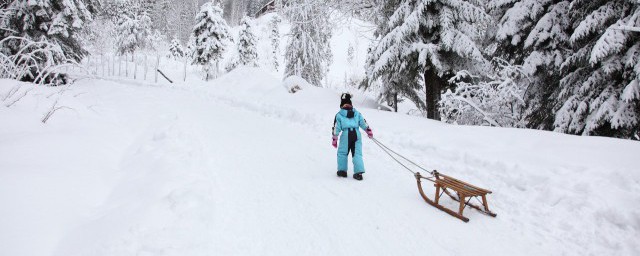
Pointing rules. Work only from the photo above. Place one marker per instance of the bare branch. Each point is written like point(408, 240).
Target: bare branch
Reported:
point(11, 92)
point(19, 97)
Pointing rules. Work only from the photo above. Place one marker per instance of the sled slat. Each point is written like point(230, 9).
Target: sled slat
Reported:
point(465, 183)
point(459, 187)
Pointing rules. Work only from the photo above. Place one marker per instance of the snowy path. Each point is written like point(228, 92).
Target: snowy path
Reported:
point(195, 170)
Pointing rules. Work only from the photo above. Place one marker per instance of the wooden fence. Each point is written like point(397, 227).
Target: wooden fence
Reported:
point(137, 66)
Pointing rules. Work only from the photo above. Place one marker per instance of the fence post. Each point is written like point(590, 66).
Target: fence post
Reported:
point(126, 67)
point(135, 67)
point(102, 63)
point(119, 65)
point(155, 70)
point(109, 65)
point(217, 69)
point(146, 67)
point(184, 70)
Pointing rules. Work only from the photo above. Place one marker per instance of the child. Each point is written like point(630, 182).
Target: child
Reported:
point(347, 122)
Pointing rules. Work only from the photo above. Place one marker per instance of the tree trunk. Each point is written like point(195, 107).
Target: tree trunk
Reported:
point(433, 85)
point(395, 102)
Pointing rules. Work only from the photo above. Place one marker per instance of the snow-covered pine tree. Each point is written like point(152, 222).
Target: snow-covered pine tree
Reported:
point(426, 42)
point(160, 15)
point(274, 36)
point(247, 50)
point(350, 54)
point(133, 27)
point(98, 37)
point(533, 34)
point(308, 52)
point(392, 86)
point(155, 40)
point(209, 38)
point(57, 21)
point(175, 49)
point(599, 95)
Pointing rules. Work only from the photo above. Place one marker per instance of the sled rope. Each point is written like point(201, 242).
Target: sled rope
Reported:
point(389, 151)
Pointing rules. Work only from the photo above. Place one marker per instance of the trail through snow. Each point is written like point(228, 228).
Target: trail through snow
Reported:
point(240, 167)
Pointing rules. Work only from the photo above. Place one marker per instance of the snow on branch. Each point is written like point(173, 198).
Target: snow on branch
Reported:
point(596, 21)
point(495, 100)
point(35, 61)
point(626, 28)
point(611, 42)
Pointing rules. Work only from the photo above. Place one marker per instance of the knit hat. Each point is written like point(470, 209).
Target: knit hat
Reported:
point(345, 99)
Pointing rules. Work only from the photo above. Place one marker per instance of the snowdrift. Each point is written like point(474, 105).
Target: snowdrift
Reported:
point(241, 166)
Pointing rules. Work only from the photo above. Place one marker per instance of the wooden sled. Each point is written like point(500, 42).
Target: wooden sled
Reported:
point(463, 192)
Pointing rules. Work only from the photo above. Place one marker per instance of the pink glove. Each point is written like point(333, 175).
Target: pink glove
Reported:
point(334, 141)
point(370, 133)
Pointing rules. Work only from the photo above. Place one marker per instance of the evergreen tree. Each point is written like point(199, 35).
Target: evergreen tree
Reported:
point(391, 86)
point(533, 34)
point(161, 12)
point(133, 28)
point(599, 93)
point(308, 52)
point(247, 51)
point(155, 40)
point(175, 49)
point(57, 21)
point(209, 38)
point(274, 36)
point(426, 42)
point(350, 54)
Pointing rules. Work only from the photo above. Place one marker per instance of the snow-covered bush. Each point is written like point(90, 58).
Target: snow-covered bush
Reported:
point(497, 100)
point(295, 83)
point(156, 41)
point(35, 61)
point(99, 37)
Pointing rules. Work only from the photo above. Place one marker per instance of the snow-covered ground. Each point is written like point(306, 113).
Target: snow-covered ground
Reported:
point(238, 166)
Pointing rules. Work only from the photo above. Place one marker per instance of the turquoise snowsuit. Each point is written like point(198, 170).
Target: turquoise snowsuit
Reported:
point(347, 122)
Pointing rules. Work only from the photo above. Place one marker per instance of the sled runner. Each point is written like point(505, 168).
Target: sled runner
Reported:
point(464, 191)
point(443, 183)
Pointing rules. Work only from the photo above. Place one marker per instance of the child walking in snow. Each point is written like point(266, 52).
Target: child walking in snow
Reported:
point(345, 125)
